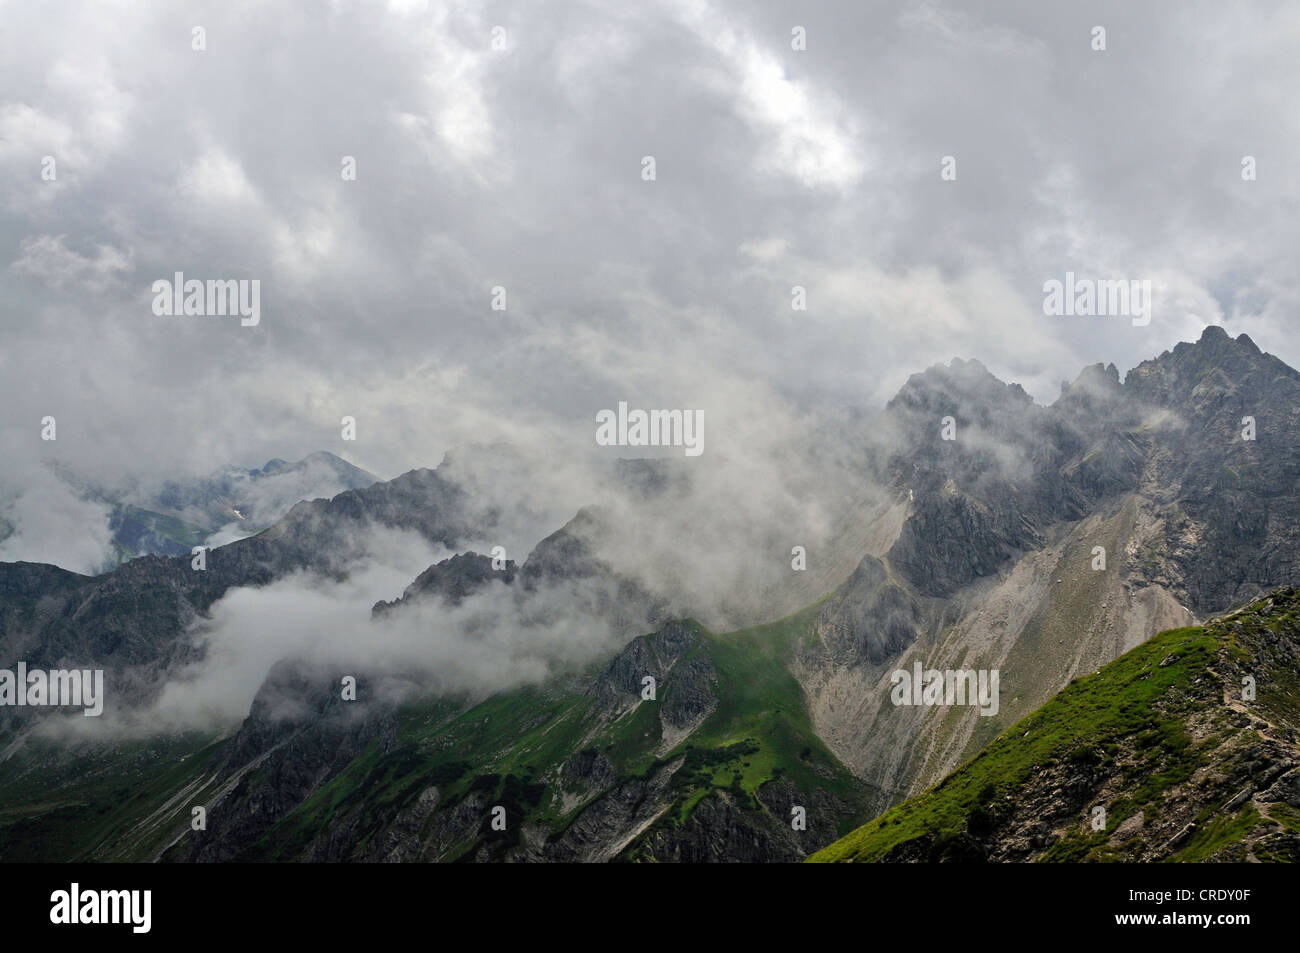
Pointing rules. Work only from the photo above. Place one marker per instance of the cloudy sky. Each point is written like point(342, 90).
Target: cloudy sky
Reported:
point(521, 167)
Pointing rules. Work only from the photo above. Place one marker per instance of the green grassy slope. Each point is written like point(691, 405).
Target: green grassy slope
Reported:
point(128, 801)
point(110, 803)
point(509, 747)
point(1160, 739)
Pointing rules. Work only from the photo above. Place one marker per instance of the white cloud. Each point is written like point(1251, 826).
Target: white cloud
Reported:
point(49, 259)
point(51, 523)
point(478, 168)
point(806, 132)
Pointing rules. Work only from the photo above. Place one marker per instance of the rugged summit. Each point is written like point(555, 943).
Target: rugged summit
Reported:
point(1046, 541)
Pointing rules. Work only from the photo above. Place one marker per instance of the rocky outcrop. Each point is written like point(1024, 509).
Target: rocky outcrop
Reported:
point(300, 733)
point(450, 582)
point(869, 619)
point(654, 655)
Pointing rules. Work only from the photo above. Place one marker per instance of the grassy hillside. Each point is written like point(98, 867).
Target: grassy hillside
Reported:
point(509, 750)
point(752, 752)
point(1162, 740)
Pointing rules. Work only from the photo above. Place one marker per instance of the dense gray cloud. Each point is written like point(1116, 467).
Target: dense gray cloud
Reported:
point(46, 520)
point(521, 168)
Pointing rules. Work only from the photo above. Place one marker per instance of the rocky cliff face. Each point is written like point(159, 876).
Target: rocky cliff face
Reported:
point(1044, 541)
point(1231, 526)
point(300, 734)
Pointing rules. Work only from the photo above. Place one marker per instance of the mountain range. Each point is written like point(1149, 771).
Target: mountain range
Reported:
point(173, 518)
point(1050, 544)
